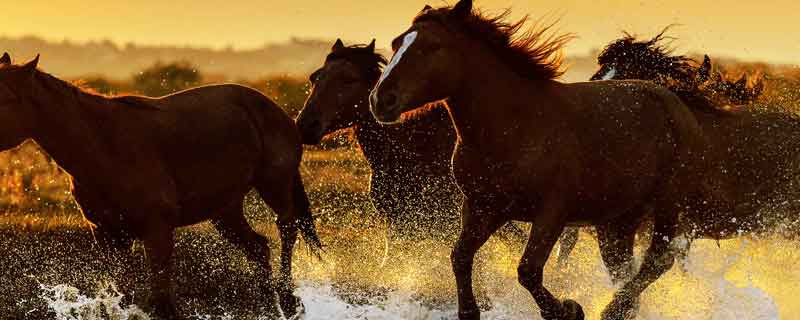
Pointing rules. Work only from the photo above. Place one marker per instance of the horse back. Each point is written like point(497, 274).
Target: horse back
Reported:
point(212, 141)
point(605, 147)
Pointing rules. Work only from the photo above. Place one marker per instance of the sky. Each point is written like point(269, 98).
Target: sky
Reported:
point(767, 30)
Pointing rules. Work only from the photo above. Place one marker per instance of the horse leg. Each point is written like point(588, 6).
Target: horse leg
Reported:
point(115, 249)
point(477, 225)
point(283, 203)
point(567, 242)
point(657, 261)
point(233, 226)
point(547, 227)
point(159, 243)
point(616, 243)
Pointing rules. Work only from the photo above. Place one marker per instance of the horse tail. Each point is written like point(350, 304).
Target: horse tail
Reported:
point(304, 219)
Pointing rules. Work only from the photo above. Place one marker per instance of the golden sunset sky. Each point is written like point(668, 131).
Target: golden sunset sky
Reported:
point(752, 30)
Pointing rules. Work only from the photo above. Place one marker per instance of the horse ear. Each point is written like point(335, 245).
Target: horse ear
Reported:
point(462, 8)
point(371, 46)
point(32, 64)
point(338, 45)
point(5, 59)
point(426, 8)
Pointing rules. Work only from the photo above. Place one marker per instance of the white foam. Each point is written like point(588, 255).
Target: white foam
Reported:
point(321, 303)
point(68, 303)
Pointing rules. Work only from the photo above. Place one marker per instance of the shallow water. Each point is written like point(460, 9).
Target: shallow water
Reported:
point(734, 279)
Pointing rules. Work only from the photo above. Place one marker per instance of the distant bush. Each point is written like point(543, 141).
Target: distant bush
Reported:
point(162, 79)
point(104, 86)
point(288, 93)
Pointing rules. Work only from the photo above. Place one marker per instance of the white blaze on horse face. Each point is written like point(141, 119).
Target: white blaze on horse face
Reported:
point(407, 41)
point(610, 74)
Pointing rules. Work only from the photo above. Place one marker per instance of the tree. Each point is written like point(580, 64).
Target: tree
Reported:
point(162, 79)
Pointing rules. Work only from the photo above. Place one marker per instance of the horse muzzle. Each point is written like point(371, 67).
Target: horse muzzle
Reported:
point(385, 108)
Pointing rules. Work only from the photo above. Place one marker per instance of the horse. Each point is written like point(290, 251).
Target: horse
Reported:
point(533, 149)
point(410, 182)
point(142, 167)
point(651, 59)
point(755, 150)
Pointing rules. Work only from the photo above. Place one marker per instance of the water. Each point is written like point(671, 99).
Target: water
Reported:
point(68, 303)
point(733, 279)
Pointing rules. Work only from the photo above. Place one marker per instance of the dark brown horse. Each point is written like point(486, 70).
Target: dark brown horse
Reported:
point(629, 58)
point(652, 60)
point(142, 167)
point(411, 181)
point(530, 148)
point(754, 151)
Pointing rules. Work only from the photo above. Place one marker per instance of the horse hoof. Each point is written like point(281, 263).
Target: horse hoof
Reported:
point(572, 310)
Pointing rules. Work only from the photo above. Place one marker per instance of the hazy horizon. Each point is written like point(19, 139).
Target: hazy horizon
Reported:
point(744, 30)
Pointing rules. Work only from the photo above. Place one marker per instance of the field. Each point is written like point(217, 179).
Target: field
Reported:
point(48, 260)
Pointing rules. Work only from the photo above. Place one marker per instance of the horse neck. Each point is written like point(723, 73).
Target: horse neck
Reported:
point(484, 112)
point(377, 142)
point(416, 142)
point(66, 129)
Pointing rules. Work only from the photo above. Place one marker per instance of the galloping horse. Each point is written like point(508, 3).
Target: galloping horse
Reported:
point(411, 180)
point(533, 149)
point(754, 152)
point(142, 167)
point(651, 60)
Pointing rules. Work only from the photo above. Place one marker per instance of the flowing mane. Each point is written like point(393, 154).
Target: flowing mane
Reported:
point(654, 55)
point(688, 78)
point(533, 53)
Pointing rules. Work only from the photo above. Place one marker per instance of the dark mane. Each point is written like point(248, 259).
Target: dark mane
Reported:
point(533, 53)
point(362, 56)
point(654, 55)
point(685, 76)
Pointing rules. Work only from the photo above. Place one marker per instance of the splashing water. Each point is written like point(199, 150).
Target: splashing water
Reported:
point(67, 303)
point(734, 279)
